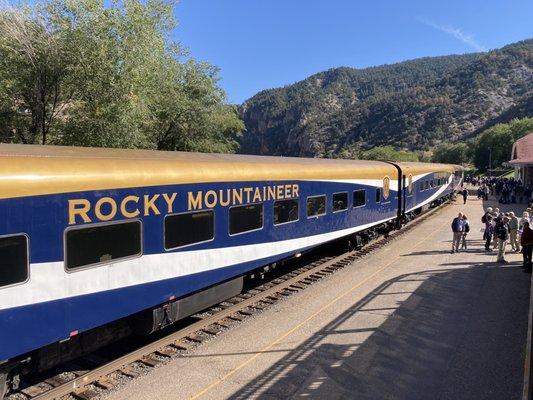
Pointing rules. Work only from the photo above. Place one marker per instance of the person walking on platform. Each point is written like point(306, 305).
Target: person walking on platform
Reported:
point(488, 233)
point(466, 229)
point(501, 231)
point(457, 229)
point(485, 193)
point(525, 218)
point(526, 240)
point(495, 216)
point(513, 232)
point(488, 212)
point(465, 195)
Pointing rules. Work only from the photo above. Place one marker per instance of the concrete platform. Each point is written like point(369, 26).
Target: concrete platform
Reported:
point(412, 321)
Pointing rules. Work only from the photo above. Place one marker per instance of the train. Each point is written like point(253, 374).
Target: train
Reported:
point(100, 243)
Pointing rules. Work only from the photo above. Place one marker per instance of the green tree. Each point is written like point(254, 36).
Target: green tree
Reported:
point(494, 145)
point(424, 156)
point(32, 73)
point(113, 78)
point(388, 153)
point(451, 153)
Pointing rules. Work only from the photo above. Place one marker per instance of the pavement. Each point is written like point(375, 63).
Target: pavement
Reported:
point(411, 321)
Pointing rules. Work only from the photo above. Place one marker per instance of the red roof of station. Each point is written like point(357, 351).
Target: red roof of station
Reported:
point(523, 150)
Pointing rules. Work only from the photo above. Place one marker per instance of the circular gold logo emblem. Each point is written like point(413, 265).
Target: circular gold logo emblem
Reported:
point(386, 187)
point(410, 183)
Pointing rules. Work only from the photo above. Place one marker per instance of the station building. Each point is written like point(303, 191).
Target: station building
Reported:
point(522, 159)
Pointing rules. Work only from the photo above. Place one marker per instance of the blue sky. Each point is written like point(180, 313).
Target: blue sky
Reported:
point(261, 44)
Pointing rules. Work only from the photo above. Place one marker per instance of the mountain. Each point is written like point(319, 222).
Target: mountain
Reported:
point(522, 109)
point(410, 105)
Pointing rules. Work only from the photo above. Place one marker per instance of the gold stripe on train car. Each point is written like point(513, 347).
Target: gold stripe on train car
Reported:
point(28, 170)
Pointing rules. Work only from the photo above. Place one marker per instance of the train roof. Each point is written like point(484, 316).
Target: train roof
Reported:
point(27, 170)
point(417, 168)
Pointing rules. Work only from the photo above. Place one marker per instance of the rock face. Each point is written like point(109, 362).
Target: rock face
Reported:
point(411, 105)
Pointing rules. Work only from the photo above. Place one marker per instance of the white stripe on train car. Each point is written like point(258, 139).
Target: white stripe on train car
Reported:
point(377, 183)
point(433, 197)
point(49, 281)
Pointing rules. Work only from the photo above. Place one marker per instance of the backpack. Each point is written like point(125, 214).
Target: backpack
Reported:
point(467, 227)
point(484, 218)
point(501, 232)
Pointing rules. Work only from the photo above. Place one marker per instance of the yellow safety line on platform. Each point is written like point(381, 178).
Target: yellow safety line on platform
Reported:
point(292, 330)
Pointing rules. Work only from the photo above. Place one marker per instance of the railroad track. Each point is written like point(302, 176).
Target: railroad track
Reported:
point(89, 383)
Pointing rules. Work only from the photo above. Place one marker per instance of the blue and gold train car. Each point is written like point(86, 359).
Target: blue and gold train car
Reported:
point(89, 237)
point(425, 183)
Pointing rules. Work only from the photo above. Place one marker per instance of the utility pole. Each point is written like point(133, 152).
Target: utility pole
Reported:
point(490, 162)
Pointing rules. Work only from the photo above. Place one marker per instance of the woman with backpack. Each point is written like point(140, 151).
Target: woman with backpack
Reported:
point(466, 229)
point(501, 231)
point(487, 212)
point(489, 232)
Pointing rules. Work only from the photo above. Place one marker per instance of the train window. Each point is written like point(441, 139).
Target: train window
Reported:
point(359, 198)
point(103, 243)
point(189, 228)
point(13, 260)
point(378, 195)
point(245, 218)
point(340, 201)
point(316, 206)
point(285, 211)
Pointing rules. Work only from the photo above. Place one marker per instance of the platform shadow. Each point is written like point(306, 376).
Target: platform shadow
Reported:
point(454, 334)
point(474, 250)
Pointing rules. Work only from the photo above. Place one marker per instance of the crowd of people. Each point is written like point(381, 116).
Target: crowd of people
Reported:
point(499, 230)
point(506, 190)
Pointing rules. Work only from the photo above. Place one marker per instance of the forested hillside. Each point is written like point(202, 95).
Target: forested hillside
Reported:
point(413, 105)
